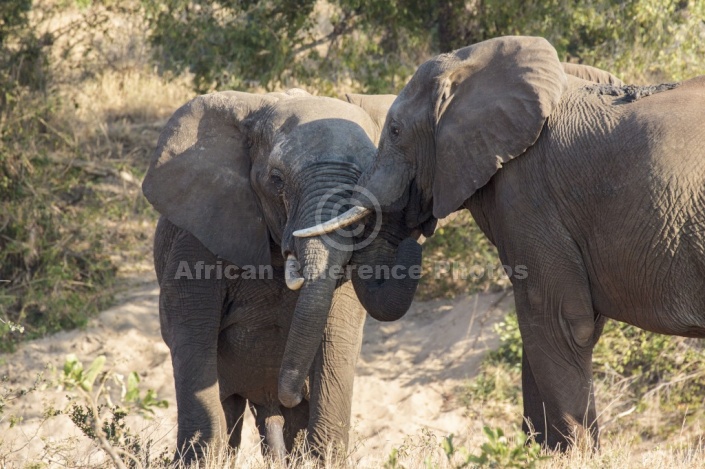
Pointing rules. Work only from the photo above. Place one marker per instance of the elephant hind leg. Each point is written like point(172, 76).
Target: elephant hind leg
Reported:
point(295, 421)
point(234, 408)
point(270, 424)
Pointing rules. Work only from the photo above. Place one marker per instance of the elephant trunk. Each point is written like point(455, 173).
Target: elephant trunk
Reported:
point(328, 186)
point(311, 314)
point(388, 291)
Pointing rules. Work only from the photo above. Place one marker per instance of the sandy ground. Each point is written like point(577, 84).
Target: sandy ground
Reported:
point(406, 376)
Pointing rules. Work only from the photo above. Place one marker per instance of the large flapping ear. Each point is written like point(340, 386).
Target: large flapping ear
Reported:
point(492, 101)
point(376, 106)
point(593, 74)
point(199, 176)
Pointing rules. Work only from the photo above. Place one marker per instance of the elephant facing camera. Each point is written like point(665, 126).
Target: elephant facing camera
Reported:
point(234, 175)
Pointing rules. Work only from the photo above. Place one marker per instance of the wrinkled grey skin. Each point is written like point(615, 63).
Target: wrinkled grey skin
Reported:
point(598, 189)
point(233, 176)
point(595, 75)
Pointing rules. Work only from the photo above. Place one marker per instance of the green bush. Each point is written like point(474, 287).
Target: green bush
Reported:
point(673, 367)
point(53, 271)
point(368, 45)
point(498, 451)
point(643, 40)
point(375, 45)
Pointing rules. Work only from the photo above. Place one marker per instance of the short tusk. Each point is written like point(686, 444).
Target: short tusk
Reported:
point(348, 218)
point(293, 279)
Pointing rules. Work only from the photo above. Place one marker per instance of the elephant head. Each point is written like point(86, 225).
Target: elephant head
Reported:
point(242, 171)
point(459, 119)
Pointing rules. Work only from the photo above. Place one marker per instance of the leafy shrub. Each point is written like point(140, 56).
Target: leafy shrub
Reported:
point(673, 367)
point(370, 45)
point(53, 269)
point(499, 377)
point(510, 345)
point(88, 412)
point(498, 451)
point(375, 45)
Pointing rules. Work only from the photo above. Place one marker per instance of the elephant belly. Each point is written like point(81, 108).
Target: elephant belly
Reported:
point(662, 291)
point(249, 362)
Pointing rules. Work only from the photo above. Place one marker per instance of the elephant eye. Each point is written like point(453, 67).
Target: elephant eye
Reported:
point(394, 129)
point(275, 178)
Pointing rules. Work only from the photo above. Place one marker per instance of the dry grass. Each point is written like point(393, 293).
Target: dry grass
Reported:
point(424, 450)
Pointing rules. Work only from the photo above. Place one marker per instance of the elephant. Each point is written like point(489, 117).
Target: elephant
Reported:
point(598, 189)
point(593, 74)
point(250, 313)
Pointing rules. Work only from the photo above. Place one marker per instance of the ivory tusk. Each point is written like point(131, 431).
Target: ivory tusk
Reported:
point(293, 279)
point(348, 218)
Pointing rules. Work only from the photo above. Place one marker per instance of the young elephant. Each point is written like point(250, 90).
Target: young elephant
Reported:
point(598, 189)
point(233, 176)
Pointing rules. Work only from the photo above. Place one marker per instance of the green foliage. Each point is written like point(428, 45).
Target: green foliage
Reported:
point(145, 405)
point(638, 39)
point(498, 381)
point(53, 272)
point(673, 367)
point(392, 461)
point(376, 45)
point(498, 452)
point(114, 428)
point(230, 42)
point(510, 346)
point(243, 44)
point(74, 374)
point(88, 413)
point(53, 269)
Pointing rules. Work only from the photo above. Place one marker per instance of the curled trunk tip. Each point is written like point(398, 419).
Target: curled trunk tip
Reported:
point(294, 280)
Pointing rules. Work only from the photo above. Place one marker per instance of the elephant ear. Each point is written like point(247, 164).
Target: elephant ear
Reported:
point(375, 105)
point(593, 74)
point(199, 176)
point(492, 101)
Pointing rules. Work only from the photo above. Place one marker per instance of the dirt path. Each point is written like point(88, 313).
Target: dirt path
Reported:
point(406, 376)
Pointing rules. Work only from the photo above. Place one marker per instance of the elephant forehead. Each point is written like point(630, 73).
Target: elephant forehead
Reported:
point(335, 140)
point(309, 109)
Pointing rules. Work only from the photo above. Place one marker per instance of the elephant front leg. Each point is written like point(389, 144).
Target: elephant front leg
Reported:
point(201, 420)
point(333, 373)
point(559, 331)
point(190, 311)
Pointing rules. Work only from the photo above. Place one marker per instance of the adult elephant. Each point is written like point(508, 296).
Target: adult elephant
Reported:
point(598, 189)
point(249, 312)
